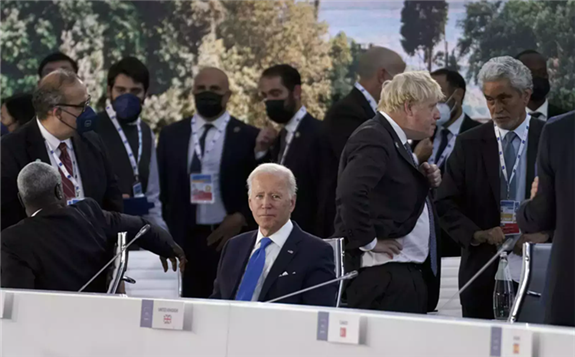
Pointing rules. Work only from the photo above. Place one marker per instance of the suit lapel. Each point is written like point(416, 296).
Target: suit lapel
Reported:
point(287, 253)
point(532, 148)
point(398, 144)
point(35, 143)
point(243, 254)
point(491, 160)
point(231, 141)
point(84, 163)
point(364, 103)
point(298, 136)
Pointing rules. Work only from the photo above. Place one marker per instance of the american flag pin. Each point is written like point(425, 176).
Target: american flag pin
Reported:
point(290, 251)
point(297, 134)
point(237, 129)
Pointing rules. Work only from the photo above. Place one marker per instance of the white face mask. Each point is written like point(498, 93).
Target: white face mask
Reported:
point(445, 111)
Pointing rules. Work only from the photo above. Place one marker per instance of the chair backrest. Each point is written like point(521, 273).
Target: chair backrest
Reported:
point(151, 280)
point(528, 306)
point(120, 264)
point(449, 286)
point(338, 255)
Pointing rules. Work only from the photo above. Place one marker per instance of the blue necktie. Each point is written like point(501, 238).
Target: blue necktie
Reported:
point(253, 272)
point(510, 155)
point(196, 166)
point(432, 241)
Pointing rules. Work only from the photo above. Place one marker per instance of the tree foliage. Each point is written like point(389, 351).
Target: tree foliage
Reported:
point(423, 25)
point(497, 29)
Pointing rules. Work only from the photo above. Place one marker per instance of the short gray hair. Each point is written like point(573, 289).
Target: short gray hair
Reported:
point(274, 169)
point(50, 91)
point(36, 181)
point(506, 67)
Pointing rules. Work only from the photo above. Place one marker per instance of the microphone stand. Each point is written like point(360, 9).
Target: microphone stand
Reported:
point(347, 276)
point(142, 231)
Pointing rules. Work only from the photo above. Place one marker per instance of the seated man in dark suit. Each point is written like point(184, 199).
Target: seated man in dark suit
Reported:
point(62, 247)
point(59, 136)
point(279, 258)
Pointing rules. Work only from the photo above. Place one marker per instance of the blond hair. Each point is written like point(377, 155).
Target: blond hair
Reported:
point(410, 87)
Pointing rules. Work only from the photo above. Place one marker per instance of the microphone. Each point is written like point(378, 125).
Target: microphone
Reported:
point(507, 245)
point(142, 231)
point(348, 276)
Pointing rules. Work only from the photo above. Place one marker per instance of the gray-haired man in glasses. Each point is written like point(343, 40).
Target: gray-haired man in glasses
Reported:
point(59, 136)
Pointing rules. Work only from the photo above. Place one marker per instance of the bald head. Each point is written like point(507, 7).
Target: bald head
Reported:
point(211, 93)
point(377, 65)
point(53, 89)
point(377, 58)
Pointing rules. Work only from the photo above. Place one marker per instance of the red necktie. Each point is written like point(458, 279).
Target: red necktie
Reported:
point(69, 190)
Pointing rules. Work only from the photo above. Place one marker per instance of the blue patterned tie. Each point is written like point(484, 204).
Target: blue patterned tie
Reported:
point(510, 155)
point(253, 272)
point(432, 241)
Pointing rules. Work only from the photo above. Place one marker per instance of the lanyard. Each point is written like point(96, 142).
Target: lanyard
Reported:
point(210, 145)
point(62, 168)
point(523, 138)
point(446, 152)
point(133, 162)
point(289, 136)
point(367, 96)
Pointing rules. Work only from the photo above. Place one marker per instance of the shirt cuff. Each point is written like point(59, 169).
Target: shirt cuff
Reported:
point(370, 246)
point(260, 154)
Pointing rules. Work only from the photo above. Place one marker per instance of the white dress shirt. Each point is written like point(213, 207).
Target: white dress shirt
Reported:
point(415, 244)
point(54, 143)
point(211, 162)
point(543, 109)
point(516, 261)
point(153, 190)
point(291, 128)
point(367, 96)
point(272, 251)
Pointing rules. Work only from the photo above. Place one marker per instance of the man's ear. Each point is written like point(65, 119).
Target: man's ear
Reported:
point(58, 192)
point(297, 92)
point(21, 201)
point(408, 108)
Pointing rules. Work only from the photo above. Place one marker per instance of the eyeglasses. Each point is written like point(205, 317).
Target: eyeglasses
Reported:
point(83, 105)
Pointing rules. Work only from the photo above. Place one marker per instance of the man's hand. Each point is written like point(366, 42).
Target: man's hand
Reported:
point(390, 247)
point(534, 187)
point(423, 150)
point(230, 227)
point(265, 139)
point(540, 237)
point(179, 252)
point(432, 173)
point(493, 236)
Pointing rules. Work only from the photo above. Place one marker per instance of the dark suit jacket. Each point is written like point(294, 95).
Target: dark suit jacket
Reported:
point(553, 208)
point(303, 158)
point(468, 201)
point(307, 259)
point(339, 123)
point(553, 111)
point(380, 193)
point(27, 145)
point(62, 248)
point(238, 161)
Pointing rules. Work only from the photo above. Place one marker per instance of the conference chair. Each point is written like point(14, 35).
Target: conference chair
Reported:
point(338, 252)
point(120, 264)
point(528, 306)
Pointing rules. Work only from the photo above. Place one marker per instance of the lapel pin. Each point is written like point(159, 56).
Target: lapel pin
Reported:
point(293, 273)
point(290, 251)
point(297, 134)
point(237, 129)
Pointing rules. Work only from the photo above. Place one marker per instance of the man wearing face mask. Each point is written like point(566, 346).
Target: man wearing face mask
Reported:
point(299, 145)
point(453, 120)
point(488, 174)
point(539, 106)
point(130, 141)
point(60, 136)
point(204, 162)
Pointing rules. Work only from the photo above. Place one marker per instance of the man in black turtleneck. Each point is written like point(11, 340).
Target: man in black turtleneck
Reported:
point(61, 247)
point(130, 141)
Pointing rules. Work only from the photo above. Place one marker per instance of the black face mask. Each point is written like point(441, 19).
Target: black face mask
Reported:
point(209, 104)
point(280, 110)
point(541, 88)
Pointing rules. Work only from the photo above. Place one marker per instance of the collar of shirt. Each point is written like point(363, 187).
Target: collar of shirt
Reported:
point(279, 237)
point(219, 123)
point(519, 129)
point(455, 127)
point(52, 140)
point(367, 96)
point(543, 109)
point(400, 133)
point(293, 123)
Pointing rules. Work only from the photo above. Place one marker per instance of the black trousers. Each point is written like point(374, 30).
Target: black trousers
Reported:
point(398, 287)
point(200, 272)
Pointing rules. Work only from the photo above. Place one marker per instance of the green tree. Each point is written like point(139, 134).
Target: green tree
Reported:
point(341, 57)
point(498, 29)
point(423, 24)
